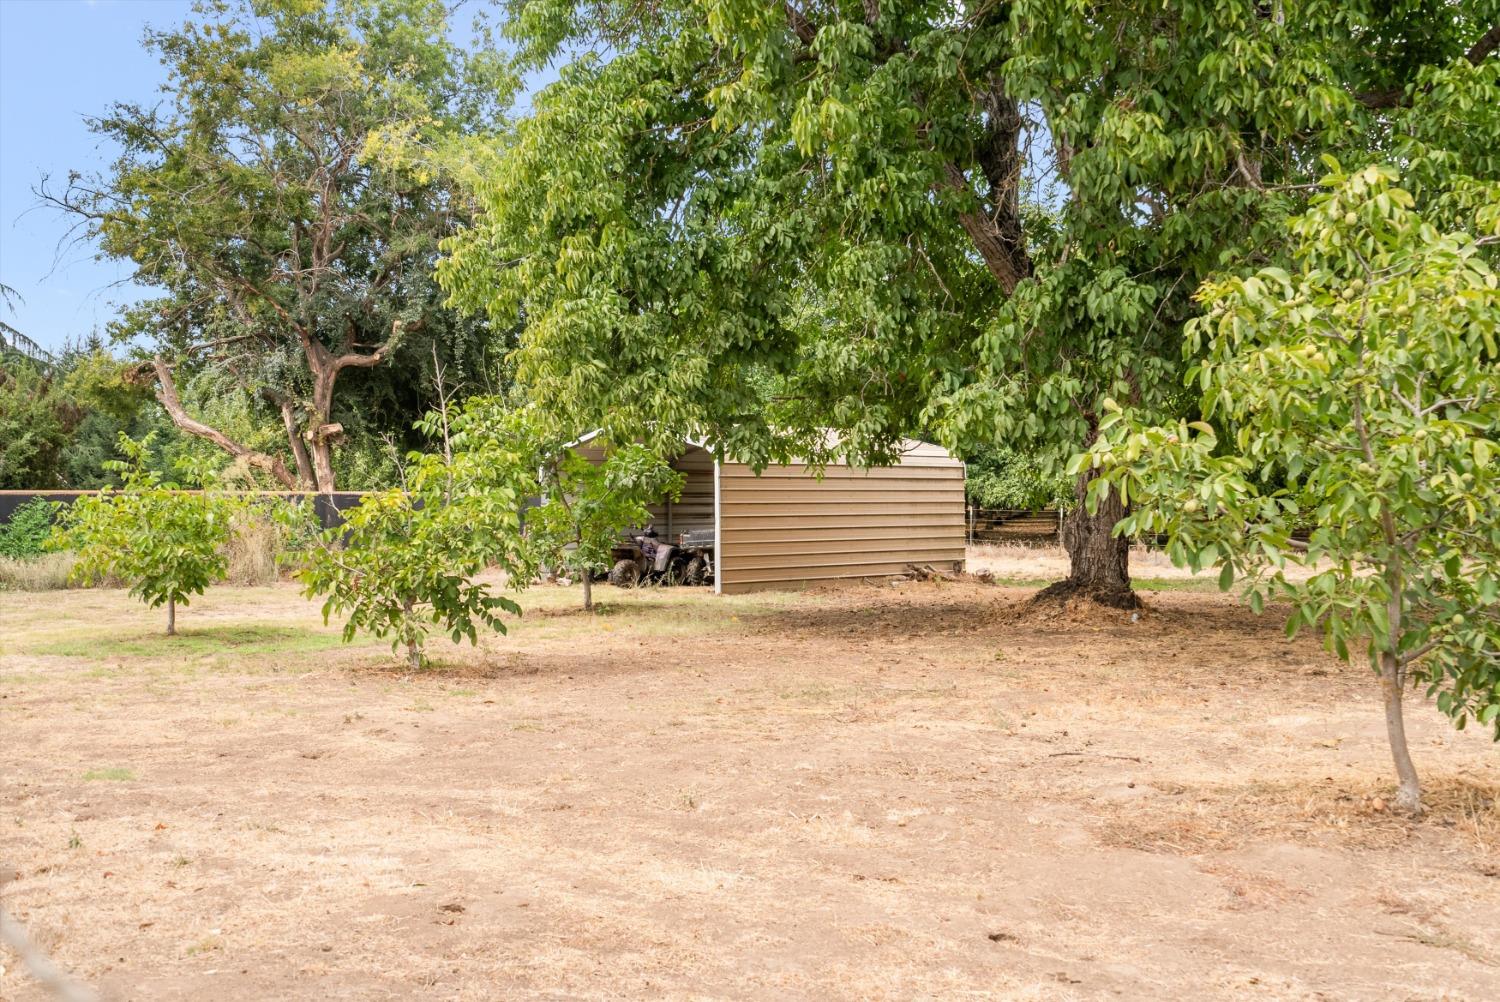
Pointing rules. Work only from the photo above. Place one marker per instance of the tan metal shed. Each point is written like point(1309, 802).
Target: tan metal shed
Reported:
point(786, 527)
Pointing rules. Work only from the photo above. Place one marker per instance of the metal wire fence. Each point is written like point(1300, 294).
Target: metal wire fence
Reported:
point(1014, 525)
point(1028, 527)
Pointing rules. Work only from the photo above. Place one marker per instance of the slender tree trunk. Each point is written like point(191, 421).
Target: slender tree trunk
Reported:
point(413, 645)
point(1409, 790)
point(305, 476)
point(588, 591)
point(171, 617)
point(1393, 669)
point(1098, 561)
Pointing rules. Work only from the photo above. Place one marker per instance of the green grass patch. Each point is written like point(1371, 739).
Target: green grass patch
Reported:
point(197, 641)
point(113, 774)
point(17, 679)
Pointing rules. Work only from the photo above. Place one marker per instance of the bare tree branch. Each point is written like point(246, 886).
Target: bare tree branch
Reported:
point(166, 392)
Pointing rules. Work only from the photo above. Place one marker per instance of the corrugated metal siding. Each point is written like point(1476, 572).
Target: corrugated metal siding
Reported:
point(786, 527)
point(695, 509)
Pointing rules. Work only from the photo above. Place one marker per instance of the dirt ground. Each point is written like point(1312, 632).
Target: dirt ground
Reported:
point(918, 791)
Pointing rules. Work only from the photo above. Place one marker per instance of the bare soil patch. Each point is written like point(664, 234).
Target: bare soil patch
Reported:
point(864, 793)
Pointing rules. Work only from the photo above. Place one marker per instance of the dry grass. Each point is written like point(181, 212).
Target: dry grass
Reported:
point(1033, 565)
point(859, 793)
point(1204, 819)
point(1022, 561)
point(48, 572)
point(255, 548)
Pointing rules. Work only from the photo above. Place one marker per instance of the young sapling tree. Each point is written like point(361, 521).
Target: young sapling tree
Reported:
point(1357, 397)
point(166, 544)
point(404, 562)
point(586, 505)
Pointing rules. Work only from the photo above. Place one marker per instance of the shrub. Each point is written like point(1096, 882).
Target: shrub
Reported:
point(262, 540)
point(25, 535)
point(1001, 478)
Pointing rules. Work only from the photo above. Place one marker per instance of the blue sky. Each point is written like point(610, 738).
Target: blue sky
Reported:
point(61, 60)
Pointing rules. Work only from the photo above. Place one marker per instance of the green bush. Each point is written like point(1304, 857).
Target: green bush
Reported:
point(1002, 478)
point(25, 535)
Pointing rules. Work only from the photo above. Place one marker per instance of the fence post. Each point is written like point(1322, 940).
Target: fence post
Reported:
point(1059, 526)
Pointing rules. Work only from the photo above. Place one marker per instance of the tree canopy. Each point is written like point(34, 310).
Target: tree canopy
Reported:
point(289, 247)
point(746, 221)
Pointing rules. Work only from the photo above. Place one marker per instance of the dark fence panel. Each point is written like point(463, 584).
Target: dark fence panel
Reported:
point(329, 507)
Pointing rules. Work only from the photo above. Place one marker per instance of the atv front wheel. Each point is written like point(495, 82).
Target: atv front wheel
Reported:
point(625, 574)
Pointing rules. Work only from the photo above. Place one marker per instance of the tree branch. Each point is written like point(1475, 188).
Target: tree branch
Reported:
point(986, 236)
point(356, 360)
point(166, 392)
point(1488, 42)
point(1418, 652)
point(801, 26)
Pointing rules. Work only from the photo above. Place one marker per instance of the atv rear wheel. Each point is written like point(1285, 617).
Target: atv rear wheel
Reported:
point(625, 574)
point(697, 570)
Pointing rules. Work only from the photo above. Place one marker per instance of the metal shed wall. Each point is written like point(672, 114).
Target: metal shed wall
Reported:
point(786, 527)
point(695, 509)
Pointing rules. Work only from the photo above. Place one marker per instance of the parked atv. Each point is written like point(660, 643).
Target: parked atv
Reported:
point(649, 560)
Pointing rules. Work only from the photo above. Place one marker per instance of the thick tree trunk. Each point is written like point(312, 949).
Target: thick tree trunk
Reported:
point(325, 368)
point(588, 592)
point(320, 450)
point(1098, 561)
point(1409, 790)
point(171, 617)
